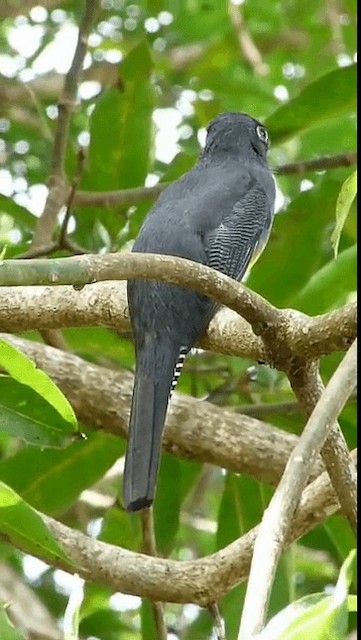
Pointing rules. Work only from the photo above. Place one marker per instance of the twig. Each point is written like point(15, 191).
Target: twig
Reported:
point(246, 43)
point(149, 548)
point(130, 197)
point(218, 622)
point(202, 581)
point(268, 408)
point(333, 14)
point(38, 252)
point(21, 600)
point(123, 197)
point(54, 338)
point(308, 388)
point(346, 159)
point(57, 185)
point(74, 187)
point(277, 519)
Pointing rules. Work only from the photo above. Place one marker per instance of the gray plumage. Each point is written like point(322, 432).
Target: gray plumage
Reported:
point(219, 214)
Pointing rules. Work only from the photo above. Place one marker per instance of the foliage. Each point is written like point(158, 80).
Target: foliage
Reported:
point(157, 71)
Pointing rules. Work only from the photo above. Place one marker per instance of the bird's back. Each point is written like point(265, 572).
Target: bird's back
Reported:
point(178, 225)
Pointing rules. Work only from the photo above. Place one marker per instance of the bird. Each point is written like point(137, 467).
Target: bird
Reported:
point(219, 214)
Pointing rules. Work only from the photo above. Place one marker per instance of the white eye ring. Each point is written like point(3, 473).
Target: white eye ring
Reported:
point(262, 133)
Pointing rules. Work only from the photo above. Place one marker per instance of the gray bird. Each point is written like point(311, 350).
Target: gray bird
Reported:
point(219, 214)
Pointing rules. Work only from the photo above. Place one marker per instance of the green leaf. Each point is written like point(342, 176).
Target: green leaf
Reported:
point(329, 287)
point(149, 630)
point(175, 478)
point(52, 479)
point(121, 528)
point(106, 624)
point(241, 508)
point(120, 142)
point(118, 113)
point(24, 370)
point(25, 528)
point(352, 604)
point(7, 629)
point(333, 94)
point(26, 415)
point(343, 205)
point(21, 216)
point(317, 616)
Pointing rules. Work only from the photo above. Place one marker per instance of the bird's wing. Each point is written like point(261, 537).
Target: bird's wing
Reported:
point(241, 235)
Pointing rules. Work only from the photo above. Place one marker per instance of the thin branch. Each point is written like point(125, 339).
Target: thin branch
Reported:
point(333, 14)
point(277, 519)
point(54, 338)
point(136, 195)
point(22, 600)
point(57, 185)
point(86, 269)
point(203, 581)
point(149, 548)
point(38, 252)
point(257, 410)
point(122, 197)
point(346, 159)
point(74, 187)
point(308, 388)
point(218, 622)
point(245, 40)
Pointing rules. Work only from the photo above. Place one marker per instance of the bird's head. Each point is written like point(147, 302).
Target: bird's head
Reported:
point(236, 134)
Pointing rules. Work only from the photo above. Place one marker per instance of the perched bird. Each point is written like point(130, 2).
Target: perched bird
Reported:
point(219, 214)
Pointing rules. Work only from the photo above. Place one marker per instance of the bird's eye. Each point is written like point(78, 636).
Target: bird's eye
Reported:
point(262, 134)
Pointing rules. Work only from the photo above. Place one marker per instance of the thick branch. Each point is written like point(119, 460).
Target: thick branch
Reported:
point(202, 581)
point(101, 398)
point(276, 522)
point(105, 304)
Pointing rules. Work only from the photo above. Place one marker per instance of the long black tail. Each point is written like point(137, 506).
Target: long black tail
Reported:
point(152, 386)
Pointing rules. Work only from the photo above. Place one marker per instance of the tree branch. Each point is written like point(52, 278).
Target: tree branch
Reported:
point(26, 609)
point(58, 189)
point(101, 399)
point(86, 269)
point(202, 581)
point(246, 43)
point(346, 159)
point(277, 518)
point(149, 548)
point(308, 388)
point(105, 304)
point(131, 197)
point(122, 197)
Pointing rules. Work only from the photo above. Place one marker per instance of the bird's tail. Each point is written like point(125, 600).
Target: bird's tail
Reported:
point(152, 387)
